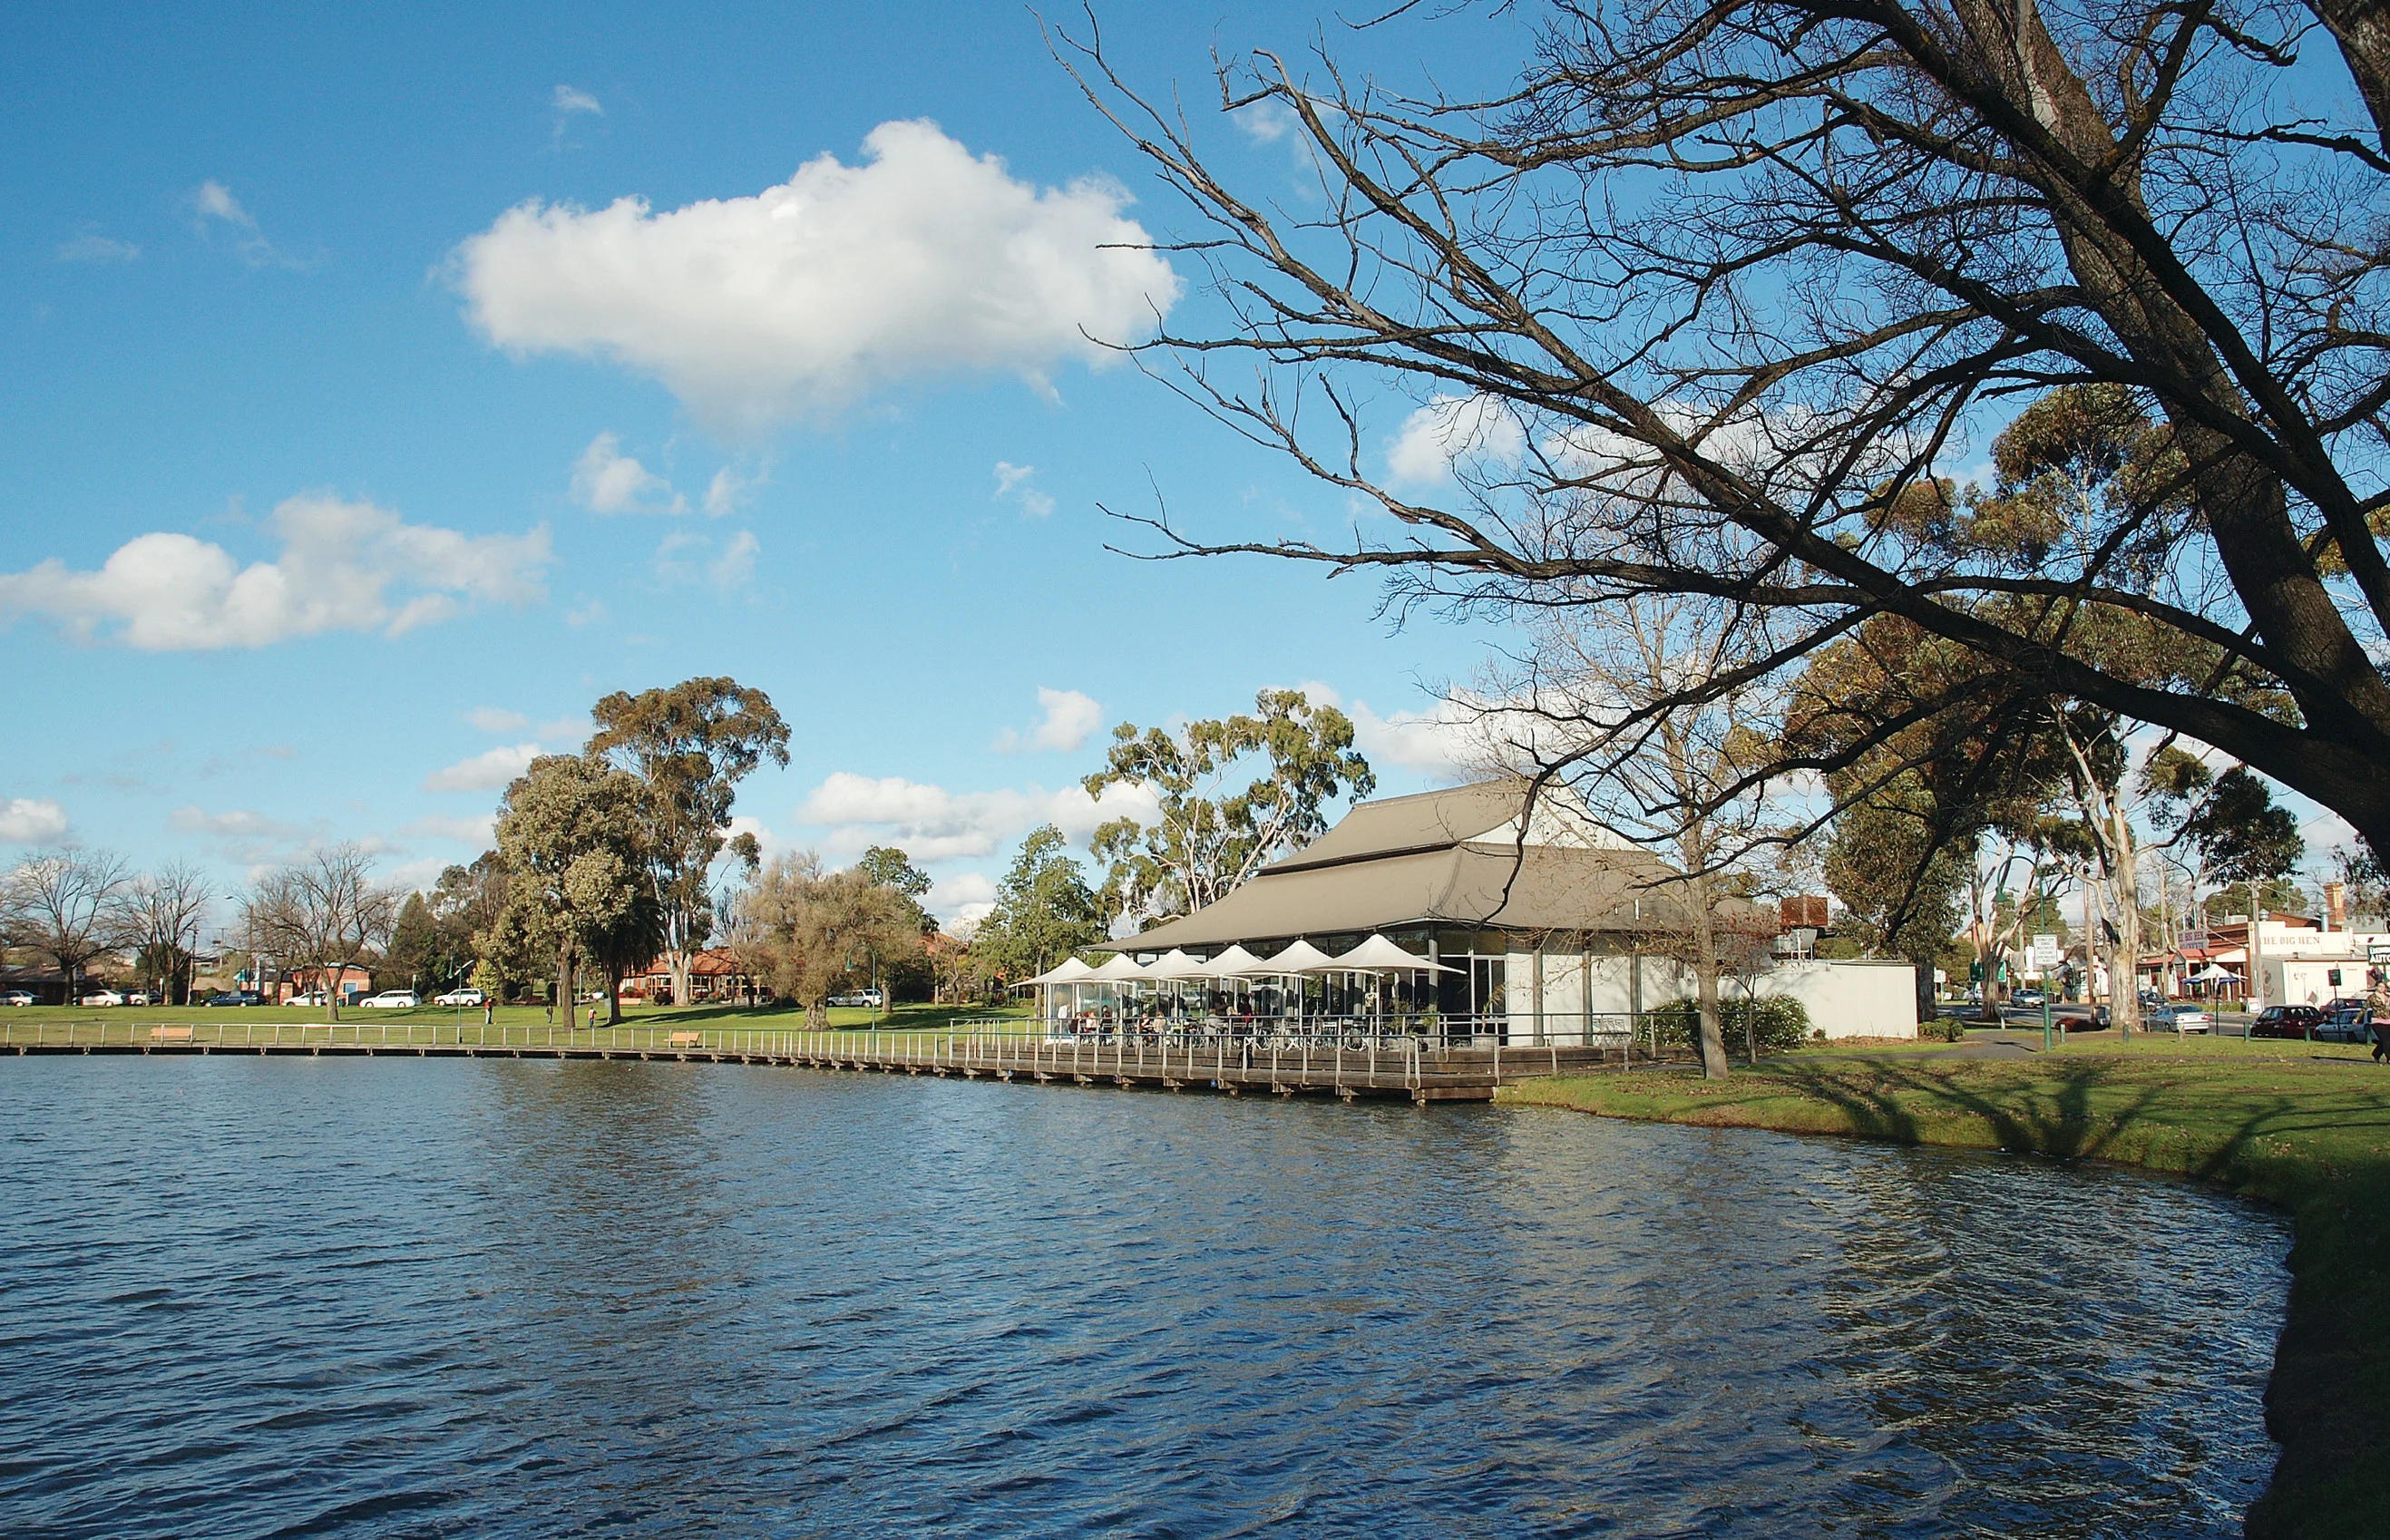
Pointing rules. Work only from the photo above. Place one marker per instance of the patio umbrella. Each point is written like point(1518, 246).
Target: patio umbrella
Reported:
point(1380, 955)
point(1235, 963)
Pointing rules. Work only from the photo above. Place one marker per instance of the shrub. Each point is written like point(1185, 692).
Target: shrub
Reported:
point(1782, 1024)
point(1944, 1031)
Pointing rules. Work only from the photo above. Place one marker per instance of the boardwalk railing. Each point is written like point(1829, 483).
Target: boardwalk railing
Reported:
point(1347, 1062)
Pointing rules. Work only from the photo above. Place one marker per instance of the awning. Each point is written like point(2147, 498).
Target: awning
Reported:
point(1071, 970)
point(1235, 963)
point(1175, 965)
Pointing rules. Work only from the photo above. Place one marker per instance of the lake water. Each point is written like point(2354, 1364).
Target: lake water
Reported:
point(400, 1297)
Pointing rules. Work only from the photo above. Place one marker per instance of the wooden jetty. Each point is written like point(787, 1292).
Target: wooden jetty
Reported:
point(1394, 1066)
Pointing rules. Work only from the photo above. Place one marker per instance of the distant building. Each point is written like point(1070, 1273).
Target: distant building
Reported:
point(715, 975)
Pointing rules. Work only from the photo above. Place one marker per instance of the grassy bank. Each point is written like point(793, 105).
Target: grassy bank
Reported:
point(905, 1017)
point(2307, 1128)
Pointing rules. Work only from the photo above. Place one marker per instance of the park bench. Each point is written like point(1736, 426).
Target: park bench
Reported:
point(687, 1040)
point(169, 1034)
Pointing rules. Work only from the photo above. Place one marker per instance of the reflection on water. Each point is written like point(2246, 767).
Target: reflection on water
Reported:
point(243, 1297)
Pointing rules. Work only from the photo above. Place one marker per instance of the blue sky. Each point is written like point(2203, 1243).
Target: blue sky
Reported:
point(359, 447)
point(363, 437)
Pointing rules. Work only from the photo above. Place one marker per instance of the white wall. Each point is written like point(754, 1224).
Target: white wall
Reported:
point(1848, 1000)
point(1843, 999)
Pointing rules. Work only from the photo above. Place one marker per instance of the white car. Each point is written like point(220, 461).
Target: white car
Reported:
point(390, 999)
point(102, 998)
point(139, 997)
point(15, 997)
point(869, 997)
point(2181, 1019)
point(461, 997)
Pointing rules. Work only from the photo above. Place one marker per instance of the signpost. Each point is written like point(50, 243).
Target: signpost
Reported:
point(2045, 953)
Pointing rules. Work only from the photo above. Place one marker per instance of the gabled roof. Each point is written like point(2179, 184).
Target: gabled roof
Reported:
point(1453, 857)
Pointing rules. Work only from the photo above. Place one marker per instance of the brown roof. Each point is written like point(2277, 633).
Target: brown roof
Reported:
point(1413, 860)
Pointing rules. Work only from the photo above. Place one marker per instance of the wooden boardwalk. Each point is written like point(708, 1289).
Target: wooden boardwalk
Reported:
point(1405, 1068)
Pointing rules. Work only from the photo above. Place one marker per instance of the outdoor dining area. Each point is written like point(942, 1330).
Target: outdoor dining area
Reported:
point(1375, 989)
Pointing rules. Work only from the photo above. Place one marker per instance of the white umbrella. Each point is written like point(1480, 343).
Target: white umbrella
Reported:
point(1235, 963)
point(1117, 969)
point(1380, 955)
point(1300, 957)
point(1175, 965)
point(1070, 970)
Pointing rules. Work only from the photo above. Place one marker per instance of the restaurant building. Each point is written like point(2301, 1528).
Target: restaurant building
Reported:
point(1543, 926)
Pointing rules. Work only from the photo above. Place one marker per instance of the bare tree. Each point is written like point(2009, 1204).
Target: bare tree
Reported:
point(63, 905)
point(324, 912)
point(163, 914)
point(1579, 712)
point(1744, 277)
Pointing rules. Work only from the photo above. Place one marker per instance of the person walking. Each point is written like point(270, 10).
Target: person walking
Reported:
point(2377, 1015)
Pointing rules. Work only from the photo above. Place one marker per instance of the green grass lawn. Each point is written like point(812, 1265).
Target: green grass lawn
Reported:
point(2306, 1126)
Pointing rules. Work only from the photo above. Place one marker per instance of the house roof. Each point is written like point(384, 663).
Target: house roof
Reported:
point(1453, 857)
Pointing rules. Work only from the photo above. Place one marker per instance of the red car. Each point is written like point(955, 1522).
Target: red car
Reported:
point(2286, 1021)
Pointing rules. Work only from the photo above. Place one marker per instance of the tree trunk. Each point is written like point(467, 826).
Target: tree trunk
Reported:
point(614, 995)
point(681, 962)
point(817, 1015)
point(1705, 981)
point(564, 983)
point(2124, 954)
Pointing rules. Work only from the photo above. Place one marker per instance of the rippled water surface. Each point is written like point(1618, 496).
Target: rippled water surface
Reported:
point(405, 1297)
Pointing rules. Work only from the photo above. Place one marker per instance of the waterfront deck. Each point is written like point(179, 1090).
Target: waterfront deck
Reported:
point(1345, 1067)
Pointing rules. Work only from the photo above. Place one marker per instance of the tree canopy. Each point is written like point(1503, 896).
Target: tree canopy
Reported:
point(573, 833)
point(1044, 911)
point(1210, 834)
point(1738, 282)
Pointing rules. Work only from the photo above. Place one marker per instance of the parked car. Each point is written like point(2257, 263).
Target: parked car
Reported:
point(2180, 1017)
point(2346, 1020)
point(138, 997)
point(2286, 1021)
point(2030, 999)
point(315, 997)
point(871, 998)
point(102, 998)
point(15, 997)
point(390, 999)
point(236, 997)
point(473, 997)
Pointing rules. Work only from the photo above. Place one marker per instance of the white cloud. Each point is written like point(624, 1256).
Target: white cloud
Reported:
point(1446, 742)
point(238, 822)
point(98, 248)
point(566, 731)
point(567, 101)
point(487, 771)
point(923, 260)
point(607, 480)
point(1012, 480)
point(490, 719)
point(1069, 717)
point(476, 831)
point(730, 489)
point(31, 821)
point(1449, 428)
point(218, 209)
point(962, 899)
point(933, 824)
point(736, 565)
point(342, 567)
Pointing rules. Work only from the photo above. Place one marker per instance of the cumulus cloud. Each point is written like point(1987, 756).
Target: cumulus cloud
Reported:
point(685, 556)
point(933, 824)
point(1012, 480)
point(98, 248)
point(1069, 717)
point(31, 821)
point(1449, 428)
point(962, 900)
point(736, 565)
point(487, 771)
point(607, 480)
point(491, 718)
point(238, 822)
point(920, 262)
point(342, 567)
point(1450, 741)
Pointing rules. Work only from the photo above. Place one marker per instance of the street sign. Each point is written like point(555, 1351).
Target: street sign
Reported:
point(2377, 952)
point(2045, 952)
point(2191, 940)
